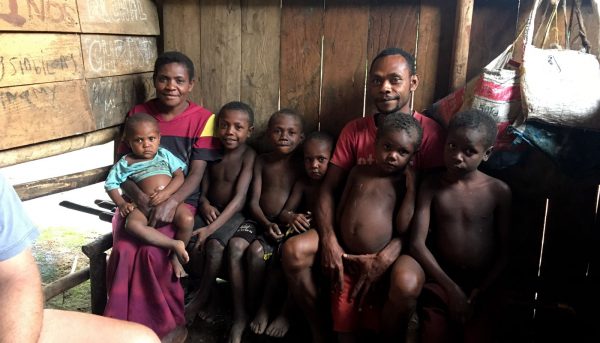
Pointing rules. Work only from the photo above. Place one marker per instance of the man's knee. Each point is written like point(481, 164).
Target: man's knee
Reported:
point(405, 284)
point(296, 255)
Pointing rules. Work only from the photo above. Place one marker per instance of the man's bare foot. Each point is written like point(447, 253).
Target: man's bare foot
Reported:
point(260, 322)
point(278, 327)
point(237, 330)
point(177, 335)
point(177, 267)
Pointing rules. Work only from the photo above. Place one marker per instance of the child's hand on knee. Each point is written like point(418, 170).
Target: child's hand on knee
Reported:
point(126, 208)
point(274, 232)
point(208, 212)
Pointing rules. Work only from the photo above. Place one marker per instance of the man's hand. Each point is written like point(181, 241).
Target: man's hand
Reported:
point(163, 213)
point(369, 268)
point(208, 212)
point(274, 232)
point(331, 261)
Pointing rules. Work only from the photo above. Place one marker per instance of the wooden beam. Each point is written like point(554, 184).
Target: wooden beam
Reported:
point(36, 189)
point(99, 246)
point(56, 147)
point(462, 37)
point(65, 283)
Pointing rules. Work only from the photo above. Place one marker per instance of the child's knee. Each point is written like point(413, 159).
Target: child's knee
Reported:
point(236, 248)
point(184, 220)
point(405, 285)
point(295, 255)
point(256, 251)
point(213, 248)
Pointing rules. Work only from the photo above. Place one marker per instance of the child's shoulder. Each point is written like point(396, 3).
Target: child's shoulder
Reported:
point(496, 185)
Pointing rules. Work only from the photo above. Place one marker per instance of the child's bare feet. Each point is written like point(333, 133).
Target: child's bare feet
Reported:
point(237, 330)
point(278, 327)
point(207, 312)
point(192, 308)
point(260, 322)
point(177, 267)
point(179, 250)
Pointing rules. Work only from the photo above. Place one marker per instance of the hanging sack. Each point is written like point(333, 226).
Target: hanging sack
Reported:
point(560, 87)
point(495, 91)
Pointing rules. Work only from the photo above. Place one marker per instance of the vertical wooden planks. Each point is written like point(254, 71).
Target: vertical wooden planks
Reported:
point(260, 58)
point(488, 41)
point(344, 62)
point(436, 27)
point(181, 32)
point(221, 50)
point(391, 24)
point(300, 81)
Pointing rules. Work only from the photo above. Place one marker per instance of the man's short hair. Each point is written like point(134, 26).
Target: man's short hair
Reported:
point(238, 106)
point(169, 57)
point(410, 59)
point(400, 121)
point(477, 120)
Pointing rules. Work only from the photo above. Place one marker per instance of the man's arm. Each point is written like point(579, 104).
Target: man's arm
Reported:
point(164, 212)
point(331, 251)
point(21, 299)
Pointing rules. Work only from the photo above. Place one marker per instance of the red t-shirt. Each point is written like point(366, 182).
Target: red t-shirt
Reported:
point(356, 144)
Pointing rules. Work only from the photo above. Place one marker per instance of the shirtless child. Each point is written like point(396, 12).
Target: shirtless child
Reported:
point(375, 209)
point(460, 234)
point(273, 178)
point(297, 215)
point(224, 188)
point(159, 174)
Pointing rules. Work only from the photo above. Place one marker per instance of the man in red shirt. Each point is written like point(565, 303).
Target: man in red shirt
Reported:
point(392, 79)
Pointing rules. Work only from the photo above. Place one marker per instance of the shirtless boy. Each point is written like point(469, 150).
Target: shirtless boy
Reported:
point(224, 188)
point(297, 215)
point(463, 215)
point(375, 209)
point(159, 174)
point(273, 178)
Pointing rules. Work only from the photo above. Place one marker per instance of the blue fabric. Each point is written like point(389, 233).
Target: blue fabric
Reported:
point(576, 152)
point(163, 163)
point(17, 232)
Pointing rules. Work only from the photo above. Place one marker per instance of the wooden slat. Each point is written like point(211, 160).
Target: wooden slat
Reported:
point(38, 58)
point(301, 31)
point(184, 16)
point(37, 113)
point(462, 38)
point(344, 62)
point(36, 189)
point(106, 55)
point(39, 15)
point(111, 97)
point(391, 24)
point(436, 28)
point(56, 147)
point(65, 283)
point(260, 58)
point(137, 17)
point(221, 47)
point(488, 41)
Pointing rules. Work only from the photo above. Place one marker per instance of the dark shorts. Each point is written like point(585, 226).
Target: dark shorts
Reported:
point(249, 231)
point(224, 233)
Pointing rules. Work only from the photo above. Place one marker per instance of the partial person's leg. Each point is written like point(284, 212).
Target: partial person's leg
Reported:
point(137, 225)
point(256, 266)
point(297, 258)
point(273, 285)
point(406, 280)
point(184, 222)
point(213, 250)
point(235, 252)
point(67, 326)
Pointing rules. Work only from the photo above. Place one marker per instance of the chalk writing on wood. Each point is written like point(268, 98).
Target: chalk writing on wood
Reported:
point(112, 97)
point(117, 55)
point(135, 17)
point(39, 15)
point(39, 58)
point(37, 113)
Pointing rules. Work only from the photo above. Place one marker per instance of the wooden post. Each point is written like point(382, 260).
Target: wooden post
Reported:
point(462, 38)
point(95, 251)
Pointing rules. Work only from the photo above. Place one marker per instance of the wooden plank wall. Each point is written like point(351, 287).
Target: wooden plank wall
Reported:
point(70, 67)
point(312, 55)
